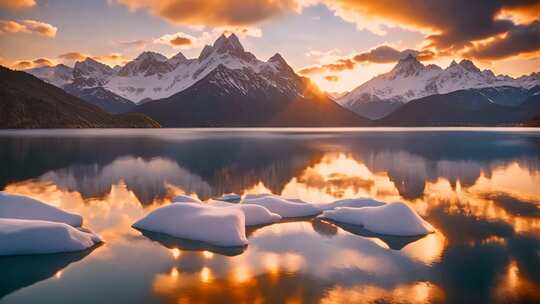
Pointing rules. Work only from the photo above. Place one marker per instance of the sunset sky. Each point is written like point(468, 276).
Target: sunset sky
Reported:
point(339, 44)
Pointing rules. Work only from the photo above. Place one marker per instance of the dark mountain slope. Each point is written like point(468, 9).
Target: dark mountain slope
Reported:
point(240, 97)
point(460, 108)
point(102, 98)
point(28, 102)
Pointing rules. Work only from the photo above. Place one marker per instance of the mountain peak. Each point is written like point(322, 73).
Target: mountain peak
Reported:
point(177, 59)
point(408, 66)
point(231, 44)
point(469, 66)
point(91, 65)
point(151, 55)
point(277, 58)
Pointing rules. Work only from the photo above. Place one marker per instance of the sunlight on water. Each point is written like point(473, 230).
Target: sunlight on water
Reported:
point(480, 210)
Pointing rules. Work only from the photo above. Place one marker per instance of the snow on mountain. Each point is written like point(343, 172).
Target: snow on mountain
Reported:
point(154, 77)
point(90, 73)
point(410, 79)
point(58, 75)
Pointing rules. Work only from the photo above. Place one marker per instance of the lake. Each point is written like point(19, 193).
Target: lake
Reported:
point(480, 189)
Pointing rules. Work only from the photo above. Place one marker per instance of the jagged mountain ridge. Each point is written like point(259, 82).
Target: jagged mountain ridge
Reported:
point(410, 79)
point(272, 96)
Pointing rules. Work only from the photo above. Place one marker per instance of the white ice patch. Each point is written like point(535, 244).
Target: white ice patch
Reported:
point(390, 219)
point(350, 202)
point(285, 208)
point(198, 222)
point(22, 207)
point(18, 237)
point(255, 214)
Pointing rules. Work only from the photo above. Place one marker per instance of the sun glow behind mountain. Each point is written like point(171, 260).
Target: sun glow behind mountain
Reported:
point(338, 44)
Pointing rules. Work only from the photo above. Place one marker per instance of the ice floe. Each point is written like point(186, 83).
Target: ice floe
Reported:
point(214, 225)
point(22, 207)
point(396, 219)
point(285, 208)
point(22, 237)
point(255, 215)
point(351, 202)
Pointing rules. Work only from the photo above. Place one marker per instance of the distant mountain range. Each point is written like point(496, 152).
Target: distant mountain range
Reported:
point(224, 86)
point(472, 107)
point(410, 80)
point(228, 86)
point(28, 102)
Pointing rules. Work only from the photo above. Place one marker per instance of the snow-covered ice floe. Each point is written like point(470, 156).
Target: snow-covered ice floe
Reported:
point(22, 207)
point(254, 214)
point(199, 222)
point(22, 237)
point(396, 219)
point(350, 202)
point(285, 208)
point(185, 199)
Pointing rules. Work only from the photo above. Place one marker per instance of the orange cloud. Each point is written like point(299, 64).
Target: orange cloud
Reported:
point(214, 12)
point(520, 40)
point(110, 59)
point(182, 40)
point(28, 26)
point(29, 64)
point(76, 56)
point(450, 26)
point(16, 4)
point(387, 54)
point(380, 54)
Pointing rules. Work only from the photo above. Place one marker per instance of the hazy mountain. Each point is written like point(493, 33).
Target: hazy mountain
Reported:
point(58, 75)
point(85, 80)
point(410, 80)
point(461, 108)
point(28, 102)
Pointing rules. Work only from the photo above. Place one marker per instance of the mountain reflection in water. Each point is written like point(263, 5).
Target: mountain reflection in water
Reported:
point(478, 189)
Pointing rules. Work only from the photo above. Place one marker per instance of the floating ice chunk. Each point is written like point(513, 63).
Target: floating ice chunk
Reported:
point(26, 208)
point(283, 207)
point(255, 214)
point(390, 219)
point(351, 202)
point(199, 222)
point(18, 237)
point(185, 199)
point(231, 197)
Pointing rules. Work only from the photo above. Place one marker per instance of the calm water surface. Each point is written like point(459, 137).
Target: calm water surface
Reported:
point(480, 189)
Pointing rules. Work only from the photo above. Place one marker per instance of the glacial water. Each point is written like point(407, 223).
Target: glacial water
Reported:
point(480, 189)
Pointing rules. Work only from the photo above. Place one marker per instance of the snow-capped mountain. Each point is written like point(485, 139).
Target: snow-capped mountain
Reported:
point(90, 73)
point(410, 79)
point(58, 75)
point(152, 76)
point(227, 86)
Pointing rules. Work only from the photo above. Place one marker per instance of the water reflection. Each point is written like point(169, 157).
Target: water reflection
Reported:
point(479, 190)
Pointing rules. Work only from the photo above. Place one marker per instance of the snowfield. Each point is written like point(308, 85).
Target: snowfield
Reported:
point(22, 207)
point(198, 222)
point(18, 237)
point(396, 219)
